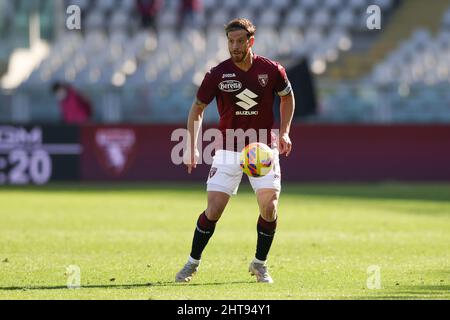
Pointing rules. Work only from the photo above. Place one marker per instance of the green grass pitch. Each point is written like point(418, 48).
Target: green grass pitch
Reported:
point(130, 240)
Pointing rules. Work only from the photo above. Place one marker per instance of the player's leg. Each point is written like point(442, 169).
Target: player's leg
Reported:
point(266, 227)
point(267, 222)
point(223, 182)
point(267, 191)
point(206, 224)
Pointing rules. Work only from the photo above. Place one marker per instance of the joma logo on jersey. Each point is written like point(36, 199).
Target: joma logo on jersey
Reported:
point(228, 75)
point(230, 86)
point(246, 102)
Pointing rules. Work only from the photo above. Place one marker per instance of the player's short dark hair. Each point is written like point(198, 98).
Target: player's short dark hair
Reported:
point(241, 24)
point(58, 85)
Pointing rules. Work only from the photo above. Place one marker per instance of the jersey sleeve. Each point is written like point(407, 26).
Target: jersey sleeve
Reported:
point(208, 89)
point(283, 85)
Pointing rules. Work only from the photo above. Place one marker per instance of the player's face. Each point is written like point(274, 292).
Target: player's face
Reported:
point(239, 45)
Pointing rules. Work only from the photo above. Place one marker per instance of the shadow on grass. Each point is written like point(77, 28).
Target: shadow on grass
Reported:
point(438, 292)
point(377, 190)
point(126, 286)
point(395, 297)
point(88, 187)
point(384, 191)
point(427, 290)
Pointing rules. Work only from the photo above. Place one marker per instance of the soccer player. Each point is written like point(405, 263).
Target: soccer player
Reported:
point(244, 87)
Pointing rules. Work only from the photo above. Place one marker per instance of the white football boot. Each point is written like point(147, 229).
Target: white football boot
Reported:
point(260, 271)
point(188, 271)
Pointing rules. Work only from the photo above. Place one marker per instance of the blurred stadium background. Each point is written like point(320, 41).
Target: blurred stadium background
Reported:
point(343, 72)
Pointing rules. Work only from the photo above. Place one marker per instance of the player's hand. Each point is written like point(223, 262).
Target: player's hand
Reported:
point(285, 145)
point(190, 159)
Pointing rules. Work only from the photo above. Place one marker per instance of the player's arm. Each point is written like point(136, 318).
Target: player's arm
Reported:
point(193, 126)
point(287, 108)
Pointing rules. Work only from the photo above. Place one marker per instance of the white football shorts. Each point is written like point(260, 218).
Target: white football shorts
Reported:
point(226, 174)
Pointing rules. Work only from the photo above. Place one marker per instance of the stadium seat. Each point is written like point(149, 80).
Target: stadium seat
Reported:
point(290, 37)
point(171, 5)
point(421, 38)
point(219, 19)
point(313, 37)
point(117, 44)
point(384, 4)
point(357, 5)
point(143, 43)
point(246, 13)
point(446, 20)
point(321, 19)
point(443, 40)
point(215, 41)
point(168, 19)
point(333, 5)
point(83, 4)
point(105, 6)
point(266, 37)
point(281, 5)
point(95, 41)
point(28, 6)
point(231, 4)
point(270, 18)
point(345, 19)
point(195, 41)
point(296, 18)
point(6, 12)
point(95, 21)
point(119, 22)
point(309, 6)
point(341, 39)
point(127, 6)
point(211, 5)
point(255, 5)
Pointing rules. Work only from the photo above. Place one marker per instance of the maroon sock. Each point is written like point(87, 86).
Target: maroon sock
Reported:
point(266, 233)
point(203, 232)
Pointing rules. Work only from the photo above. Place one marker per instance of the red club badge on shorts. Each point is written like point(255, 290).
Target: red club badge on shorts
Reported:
point(263, 79)
point(213, 172)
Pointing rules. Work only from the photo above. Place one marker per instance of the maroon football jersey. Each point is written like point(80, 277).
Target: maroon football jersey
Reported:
point(245, 98)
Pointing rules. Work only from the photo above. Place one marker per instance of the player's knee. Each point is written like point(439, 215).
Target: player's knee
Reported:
point(269, 210)
point(268, 203)
point(216, 205)
point(214, 211)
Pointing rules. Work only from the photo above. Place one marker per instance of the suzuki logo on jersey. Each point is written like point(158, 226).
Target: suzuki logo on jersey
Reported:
point(247, 103)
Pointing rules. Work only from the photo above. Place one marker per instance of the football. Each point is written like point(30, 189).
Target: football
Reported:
point(256, 160)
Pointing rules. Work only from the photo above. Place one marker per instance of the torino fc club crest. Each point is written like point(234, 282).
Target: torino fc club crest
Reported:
point(115, 149)
point(213, 172)
point(263, 79)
